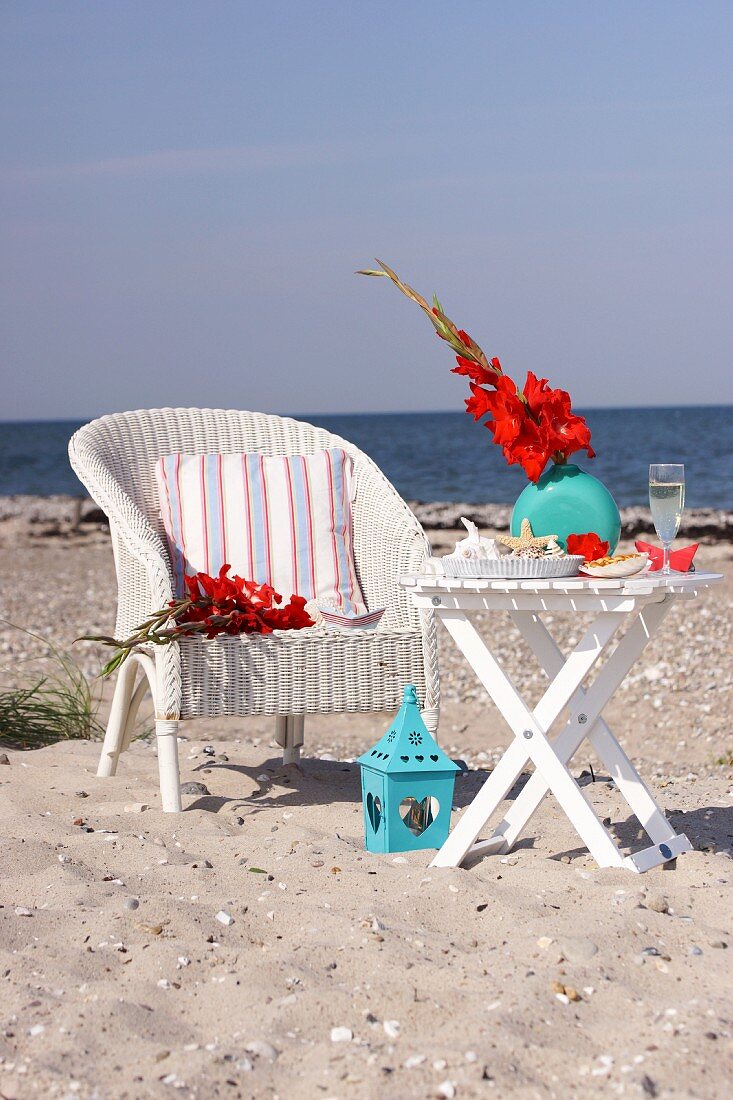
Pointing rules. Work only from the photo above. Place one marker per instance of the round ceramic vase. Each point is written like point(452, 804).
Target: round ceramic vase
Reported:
point(568, 501)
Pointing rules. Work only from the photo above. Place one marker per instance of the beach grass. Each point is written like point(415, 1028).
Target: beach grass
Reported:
point(48, 699)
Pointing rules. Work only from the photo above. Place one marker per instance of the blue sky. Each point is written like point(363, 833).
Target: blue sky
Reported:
point(187, 188)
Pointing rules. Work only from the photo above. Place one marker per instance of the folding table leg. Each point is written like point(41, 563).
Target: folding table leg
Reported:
point(588, 706)
point(475, 816)
point(632, 787)
point(523, 722)
point(608, 749)
point(592, 832)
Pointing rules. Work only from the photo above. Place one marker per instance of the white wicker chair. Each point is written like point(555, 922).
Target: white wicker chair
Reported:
point(289, 674)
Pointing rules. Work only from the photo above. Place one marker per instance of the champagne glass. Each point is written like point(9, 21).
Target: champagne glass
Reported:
point(667, 502)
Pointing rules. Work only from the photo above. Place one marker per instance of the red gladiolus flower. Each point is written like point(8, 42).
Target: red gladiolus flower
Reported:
point(233, 605)
point(479, 403)
point(504, 403)
point(529, 449)
point(589, 545)
point(532, 426)
point(213, 606)
point(478, 373)
point(567, 432)
point(536, 391)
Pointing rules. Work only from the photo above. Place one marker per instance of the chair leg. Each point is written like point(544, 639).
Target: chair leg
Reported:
point(289, 732)
point(115, 734)
point(137, 697)
point(166, 733)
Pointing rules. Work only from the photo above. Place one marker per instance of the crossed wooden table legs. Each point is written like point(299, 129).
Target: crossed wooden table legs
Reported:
point(551, 757)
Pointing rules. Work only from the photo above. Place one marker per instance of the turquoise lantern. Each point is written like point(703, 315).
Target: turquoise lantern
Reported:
point(406, 785)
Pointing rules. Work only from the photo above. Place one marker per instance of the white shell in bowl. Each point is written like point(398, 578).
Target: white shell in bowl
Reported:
point(476, 547)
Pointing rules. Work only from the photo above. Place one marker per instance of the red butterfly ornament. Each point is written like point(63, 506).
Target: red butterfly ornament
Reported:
point(679, 560)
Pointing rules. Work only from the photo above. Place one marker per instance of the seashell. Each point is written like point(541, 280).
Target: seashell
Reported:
point(529, 552)
point(475, 546)
point(554, 550)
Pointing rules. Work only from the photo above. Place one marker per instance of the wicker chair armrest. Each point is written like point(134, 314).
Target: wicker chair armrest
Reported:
point(396, 526)
point(127, 522)
point(397, 545)
point(389, 543)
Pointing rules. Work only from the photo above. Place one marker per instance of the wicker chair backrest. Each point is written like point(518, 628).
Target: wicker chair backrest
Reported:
point(127, 445)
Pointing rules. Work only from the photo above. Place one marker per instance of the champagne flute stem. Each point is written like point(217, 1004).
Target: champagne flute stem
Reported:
point(665, 561)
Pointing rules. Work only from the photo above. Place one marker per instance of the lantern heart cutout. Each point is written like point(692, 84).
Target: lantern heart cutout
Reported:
point(374, 810)
point(418, 816)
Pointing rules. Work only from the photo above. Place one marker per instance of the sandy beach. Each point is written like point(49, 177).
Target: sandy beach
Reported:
point(251, 947)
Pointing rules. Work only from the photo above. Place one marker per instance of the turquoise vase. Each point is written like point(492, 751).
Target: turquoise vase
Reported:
point(568, 501)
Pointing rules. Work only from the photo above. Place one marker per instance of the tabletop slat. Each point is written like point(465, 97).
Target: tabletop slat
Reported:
point(636, 586)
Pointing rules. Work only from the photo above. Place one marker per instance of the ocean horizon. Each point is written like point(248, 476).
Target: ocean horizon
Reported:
point(431, 456)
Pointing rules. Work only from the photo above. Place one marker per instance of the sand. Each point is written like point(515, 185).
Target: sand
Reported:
point(250, 947)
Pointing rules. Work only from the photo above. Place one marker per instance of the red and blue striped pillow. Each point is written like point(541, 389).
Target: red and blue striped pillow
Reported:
point(283, 520)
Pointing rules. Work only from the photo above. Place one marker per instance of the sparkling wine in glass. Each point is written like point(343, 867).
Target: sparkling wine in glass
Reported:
point(667, 502)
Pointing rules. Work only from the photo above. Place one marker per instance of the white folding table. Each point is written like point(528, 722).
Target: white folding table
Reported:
point(641, 604)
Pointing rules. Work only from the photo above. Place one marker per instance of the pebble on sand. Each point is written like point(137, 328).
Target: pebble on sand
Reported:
point(565, 993)
point(194, 788)
point(577, 949)
point(657, 903)
point(262, 1049)
point(341, 1035)
point(224, 918)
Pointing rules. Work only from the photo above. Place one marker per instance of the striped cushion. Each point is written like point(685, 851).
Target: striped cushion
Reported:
point(283, 520)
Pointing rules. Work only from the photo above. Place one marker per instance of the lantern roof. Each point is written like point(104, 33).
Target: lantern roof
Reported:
point(407, 746)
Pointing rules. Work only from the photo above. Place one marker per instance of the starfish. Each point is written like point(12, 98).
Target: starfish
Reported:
point(526, 538)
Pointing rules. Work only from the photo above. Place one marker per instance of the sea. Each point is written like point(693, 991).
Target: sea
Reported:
point(446, 456)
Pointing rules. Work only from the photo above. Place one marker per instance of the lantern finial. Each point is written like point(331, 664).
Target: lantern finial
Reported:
point(410, 694)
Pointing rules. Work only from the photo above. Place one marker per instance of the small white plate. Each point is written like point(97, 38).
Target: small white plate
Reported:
point(617, 569)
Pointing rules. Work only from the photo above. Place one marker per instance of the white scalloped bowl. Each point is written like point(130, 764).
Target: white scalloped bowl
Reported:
point(615, 570)
point(508, 568)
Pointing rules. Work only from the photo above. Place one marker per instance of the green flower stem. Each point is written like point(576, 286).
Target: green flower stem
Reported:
point(152, 633)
